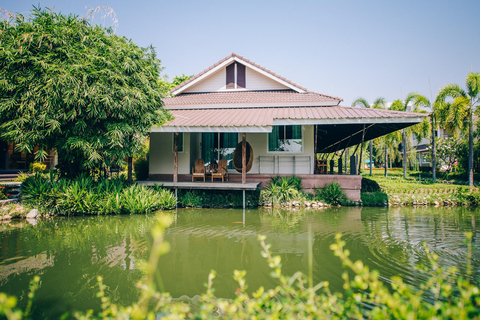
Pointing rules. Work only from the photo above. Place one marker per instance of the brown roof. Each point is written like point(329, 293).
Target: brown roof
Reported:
point(258, 117)
point(250, 97)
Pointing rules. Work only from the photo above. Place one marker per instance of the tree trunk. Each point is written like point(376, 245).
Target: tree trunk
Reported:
point(130, 168)
point(434, 153)
point(404, 141)
point(386, 161)
point(470, 149)
point(371, 164)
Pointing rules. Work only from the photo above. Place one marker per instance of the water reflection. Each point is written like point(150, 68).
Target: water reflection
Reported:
point(70, 253)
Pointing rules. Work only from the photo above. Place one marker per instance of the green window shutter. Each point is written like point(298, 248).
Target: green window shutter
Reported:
point(273, 139)
point(229, 143)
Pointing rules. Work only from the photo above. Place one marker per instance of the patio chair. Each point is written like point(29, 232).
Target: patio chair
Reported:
point(220, 174)
point(223, 163)
point(199, 170)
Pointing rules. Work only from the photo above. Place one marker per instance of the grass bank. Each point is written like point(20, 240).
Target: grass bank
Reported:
point(416, 190)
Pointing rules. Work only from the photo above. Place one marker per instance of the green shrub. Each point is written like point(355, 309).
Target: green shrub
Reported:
point(369, 185)
point(281, 190)
point(474, 198)
point(84, 195)
point(374, 199)
point(331, 194)
point(3, 192)
point(22, 176)
point(140, 199)
point(141, 169)
point(37, 167)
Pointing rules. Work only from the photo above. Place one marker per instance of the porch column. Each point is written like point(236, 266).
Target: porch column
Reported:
point(244, 158)
point(175, 157)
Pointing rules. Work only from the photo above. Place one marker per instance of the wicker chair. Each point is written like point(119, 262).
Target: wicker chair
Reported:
point(199, 170)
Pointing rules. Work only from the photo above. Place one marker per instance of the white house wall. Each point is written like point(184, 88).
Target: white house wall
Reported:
point(254, 81)
point(161, 154)
point(215, 82)
point(257, 81)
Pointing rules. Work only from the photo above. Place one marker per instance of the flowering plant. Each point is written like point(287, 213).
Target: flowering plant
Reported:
point(3, 193)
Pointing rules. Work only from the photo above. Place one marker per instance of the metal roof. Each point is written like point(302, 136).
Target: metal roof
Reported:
point(262, 119)
point(249, 98)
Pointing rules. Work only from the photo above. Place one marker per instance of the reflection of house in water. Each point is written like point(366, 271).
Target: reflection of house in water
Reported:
point(34, 263)
point(11, 159)
point(222, 244)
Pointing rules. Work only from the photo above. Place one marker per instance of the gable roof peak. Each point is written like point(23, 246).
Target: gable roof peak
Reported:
point(236, 57)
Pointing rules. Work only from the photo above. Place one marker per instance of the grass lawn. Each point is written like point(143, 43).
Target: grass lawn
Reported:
point(417, 190)
point(417, 182)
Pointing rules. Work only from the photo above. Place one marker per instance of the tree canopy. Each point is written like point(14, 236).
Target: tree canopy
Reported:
point(76, 87)
point(457, 115)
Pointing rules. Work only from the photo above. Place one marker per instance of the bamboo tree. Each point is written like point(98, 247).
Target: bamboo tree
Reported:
point(379, 103)
point(68, 85)
point(457, 115)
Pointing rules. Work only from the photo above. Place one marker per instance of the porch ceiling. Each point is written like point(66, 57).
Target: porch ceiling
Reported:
point(331, 138)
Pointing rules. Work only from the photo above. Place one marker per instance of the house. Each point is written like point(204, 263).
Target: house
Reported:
point(286, 125)
point(12, 161)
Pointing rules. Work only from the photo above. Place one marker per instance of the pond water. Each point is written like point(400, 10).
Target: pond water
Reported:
point(69, 253)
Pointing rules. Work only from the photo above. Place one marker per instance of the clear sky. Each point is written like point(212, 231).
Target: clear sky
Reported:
point(343, 48)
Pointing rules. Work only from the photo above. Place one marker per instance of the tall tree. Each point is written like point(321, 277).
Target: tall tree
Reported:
point(423, 102)
point(75, 87)
point(458, 114)
point(419, 130)
point(379, 103)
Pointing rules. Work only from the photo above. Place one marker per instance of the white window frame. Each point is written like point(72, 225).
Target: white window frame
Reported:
point(287, 151)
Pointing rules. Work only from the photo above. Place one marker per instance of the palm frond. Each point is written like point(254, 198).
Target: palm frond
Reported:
point(380, 103)
point(473, 85)
point(362, 102)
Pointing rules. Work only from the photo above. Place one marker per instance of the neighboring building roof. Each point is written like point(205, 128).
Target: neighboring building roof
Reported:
point(242, 60)
point(261, 119)
point(249, 98)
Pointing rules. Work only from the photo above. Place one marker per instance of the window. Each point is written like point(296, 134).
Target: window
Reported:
point(216, 146)
point(285, 139)
point(235, 76)
point(180, 142)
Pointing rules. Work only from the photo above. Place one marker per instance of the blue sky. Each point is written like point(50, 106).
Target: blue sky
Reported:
point(343, 48)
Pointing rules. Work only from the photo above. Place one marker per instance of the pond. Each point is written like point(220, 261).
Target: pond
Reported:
point(69, 253)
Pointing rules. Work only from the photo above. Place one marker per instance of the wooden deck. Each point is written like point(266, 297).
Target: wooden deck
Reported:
point(207, 185)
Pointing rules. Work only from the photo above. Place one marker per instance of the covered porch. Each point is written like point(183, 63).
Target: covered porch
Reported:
point(300, 141)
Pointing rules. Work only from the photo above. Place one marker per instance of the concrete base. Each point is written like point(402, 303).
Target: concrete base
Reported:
point(351, 184)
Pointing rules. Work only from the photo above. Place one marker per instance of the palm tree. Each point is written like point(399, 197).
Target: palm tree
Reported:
point(387, 148)
point(457, 114)
point(379, 103)
point(420, 130)
point(422, 101)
